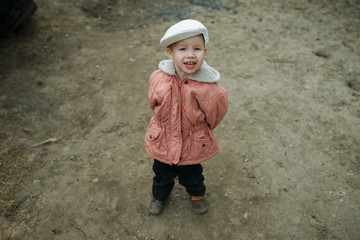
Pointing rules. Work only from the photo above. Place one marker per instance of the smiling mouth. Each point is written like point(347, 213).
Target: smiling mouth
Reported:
point(190, 64)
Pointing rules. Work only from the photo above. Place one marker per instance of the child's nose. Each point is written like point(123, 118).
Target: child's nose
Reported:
point(191, 53)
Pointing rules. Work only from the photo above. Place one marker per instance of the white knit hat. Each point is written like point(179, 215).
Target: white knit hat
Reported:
point(182, 30)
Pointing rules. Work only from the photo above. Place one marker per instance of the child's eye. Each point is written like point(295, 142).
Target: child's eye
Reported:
point(197, 49)
point(182, 49)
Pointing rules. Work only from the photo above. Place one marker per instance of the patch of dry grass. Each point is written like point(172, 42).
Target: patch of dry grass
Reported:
point(13, 168)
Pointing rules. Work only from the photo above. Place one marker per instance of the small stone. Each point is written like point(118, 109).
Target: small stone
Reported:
point(39, 81)
point(26, 130)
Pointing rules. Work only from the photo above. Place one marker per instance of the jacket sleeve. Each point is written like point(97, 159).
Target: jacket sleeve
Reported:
point(215, 105)
point(159, 95)
point(152, 96)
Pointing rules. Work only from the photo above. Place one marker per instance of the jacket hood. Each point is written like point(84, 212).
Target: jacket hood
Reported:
point(204, 74)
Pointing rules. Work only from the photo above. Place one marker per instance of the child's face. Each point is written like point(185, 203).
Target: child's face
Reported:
point(188, 55)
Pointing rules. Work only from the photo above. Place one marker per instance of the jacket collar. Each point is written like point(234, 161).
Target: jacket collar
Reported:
point(204, 74)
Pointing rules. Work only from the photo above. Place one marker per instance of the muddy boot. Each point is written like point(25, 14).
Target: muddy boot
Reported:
point(200, 205)
point(156, 206)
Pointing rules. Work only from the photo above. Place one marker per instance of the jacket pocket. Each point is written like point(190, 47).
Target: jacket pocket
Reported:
point(153, 133)
point(155, 142)
point(200, 145)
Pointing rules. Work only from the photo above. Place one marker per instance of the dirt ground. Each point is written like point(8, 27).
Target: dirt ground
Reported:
point(74, 111)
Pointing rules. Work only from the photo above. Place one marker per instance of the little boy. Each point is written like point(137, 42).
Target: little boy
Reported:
point(188, 104)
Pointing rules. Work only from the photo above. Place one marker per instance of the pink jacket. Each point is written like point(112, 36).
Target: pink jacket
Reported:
point(185, 113)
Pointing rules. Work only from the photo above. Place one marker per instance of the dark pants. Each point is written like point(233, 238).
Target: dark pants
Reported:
point(190, 176)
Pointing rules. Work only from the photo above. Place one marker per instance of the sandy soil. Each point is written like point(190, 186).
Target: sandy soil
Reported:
point(77, 76)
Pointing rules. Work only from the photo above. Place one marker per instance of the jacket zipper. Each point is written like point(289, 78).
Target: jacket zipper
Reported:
point(178, 155)
point(180, 113)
